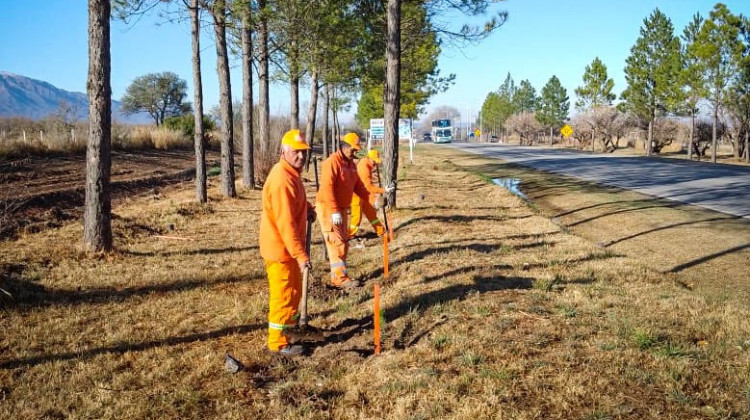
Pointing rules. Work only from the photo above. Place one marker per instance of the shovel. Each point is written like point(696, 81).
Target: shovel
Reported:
point(305, 281)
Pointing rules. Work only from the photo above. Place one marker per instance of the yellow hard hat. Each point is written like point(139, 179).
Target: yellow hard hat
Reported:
point(295, 139)
point(352, 139)
point(374, 155)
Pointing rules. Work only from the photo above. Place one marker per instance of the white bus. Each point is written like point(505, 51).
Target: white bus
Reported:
point(442, 132)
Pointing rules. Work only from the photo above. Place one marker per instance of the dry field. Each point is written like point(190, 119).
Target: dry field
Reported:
point(494, 308)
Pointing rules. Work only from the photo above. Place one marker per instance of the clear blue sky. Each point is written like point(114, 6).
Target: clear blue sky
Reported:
point(47, 40)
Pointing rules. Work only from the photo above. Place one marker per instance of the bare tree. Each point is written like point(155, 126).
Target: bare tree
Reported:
point(219, 13)
point(199, 137)
point(312, 112)
point(392, 98)
point(248, 166)
point(97, 222)
point(525, 125)
point(263, 77)
point(326, 128)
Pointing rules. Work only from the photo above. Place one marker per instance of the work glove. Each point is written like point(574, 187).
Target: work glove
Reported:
point(390, 189)
point(305, 264)
point(336, 219)
point(378, 204)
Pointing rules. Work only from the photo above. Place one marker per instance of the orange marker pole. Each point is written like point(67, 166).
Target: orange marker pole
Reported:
point(376, 314)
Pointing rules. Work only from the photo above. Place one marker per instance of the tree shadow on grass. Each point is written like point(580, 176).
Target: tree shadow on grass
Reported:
point(26, 294)
point(127, 347)
point(202, 251)
point(458, 219)
point(674, 225)
point(678, 268)
point(350, 328)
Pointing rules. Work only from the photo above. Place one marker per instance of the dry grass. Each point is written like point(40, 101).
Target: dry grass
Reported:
point(492, 311)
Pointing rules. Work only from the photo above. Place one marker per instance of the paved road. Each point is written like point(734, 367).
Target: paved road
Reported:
point(723, 188)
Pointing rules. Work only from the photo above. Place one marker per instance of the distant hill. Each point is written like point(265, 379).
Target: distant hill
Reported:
point(22, 96)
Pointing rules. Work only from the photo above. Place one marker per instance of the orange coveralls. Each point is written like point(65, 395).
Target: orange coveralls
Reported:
point(283, 223)
point(364, 170)
point(338, 182)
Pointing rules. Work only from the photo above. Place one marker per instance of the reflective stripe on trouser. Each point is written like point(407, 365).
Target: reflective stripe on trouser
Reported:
point(285, 290)
point(336, 238)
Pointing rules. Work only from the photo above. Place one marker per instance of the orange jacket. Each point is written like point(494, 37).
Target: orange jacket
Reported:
point(364, 169)
point(284, 218)
point(338, 182)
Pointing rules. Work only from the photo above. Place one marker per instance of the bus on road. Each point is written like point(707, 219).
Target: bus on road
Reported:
point(442, 132)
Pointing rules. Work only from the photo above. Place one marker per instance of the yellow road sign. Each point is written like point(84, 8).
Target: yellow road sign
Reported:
point(566, 130)
point(477, 133)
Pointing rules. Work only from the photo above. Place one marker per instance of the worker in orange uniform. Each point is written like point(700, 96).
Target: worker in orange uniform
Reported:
point(338, 182)
point(364, 170)
point(283, 225)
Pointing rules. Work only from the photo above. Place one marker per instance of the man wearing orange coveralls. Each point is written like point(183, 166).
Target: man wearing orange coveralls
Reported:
point(364, 170)
point(338, 182)
point(283, 225)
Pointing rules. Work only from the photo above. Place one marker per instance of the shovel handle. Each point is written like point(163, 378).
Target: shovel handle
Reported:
point(305, 280)
point(303, 299)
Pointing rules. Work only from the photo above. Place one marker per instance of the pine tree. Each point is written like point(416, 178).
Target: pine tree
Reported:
point(718, 48)
point(652, 71)
point(554, 104)
point(597, 87)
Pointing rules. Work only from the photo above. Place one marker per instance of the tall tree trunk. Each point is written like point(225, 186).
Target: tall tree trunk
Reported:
point(326, 128)
point(311, 114)
point(336, 130)
point(650, 136)
point(263, 82)
point(713, 135)
point(392, 98)
point(200, 145)
point(248, 161)
point(97, 217)
point(747, 146)
point(294, 86)
point(335, 135)
point(225, 101)
point(692, 133)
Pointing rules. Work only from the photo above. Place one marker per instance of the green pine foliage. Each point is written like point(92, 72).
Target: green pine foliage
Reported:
point(554, 104)
point(597, 87)
point(653, 69)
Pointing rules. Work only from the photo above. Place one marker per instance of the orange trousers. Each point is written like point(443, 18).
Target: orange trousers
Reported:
point(356, 215)
point(285, 290)
point(336, 238)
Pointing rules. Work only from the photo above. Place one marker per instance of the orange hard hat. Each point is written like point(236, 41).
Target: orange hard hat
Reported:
point(295, 139)
point(374, 155)
point(352, 139)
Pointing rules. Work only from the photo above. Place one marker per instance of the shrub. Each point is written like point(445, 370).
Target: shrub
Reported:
point(186, 124)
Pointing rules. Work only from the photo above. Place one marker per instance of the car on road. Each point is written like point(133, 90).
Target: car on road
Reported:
point(427, 137)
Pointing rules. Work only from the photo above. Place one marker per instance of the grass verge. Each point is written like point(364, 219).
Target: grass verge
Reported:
point(491, 310)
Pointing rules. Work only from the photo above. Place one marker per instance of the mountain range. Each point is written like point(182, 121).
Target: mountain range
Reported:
point(22, 96)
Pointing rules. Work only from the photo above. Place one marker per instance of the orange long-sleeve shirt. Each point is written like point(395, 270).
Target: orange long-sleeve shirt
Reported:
point(338, 181)
point(364, 169)
point(284, 218)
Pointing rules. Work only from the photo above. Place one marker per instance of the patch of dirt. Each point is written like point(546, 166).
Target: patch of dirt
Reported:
point(42, 192)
